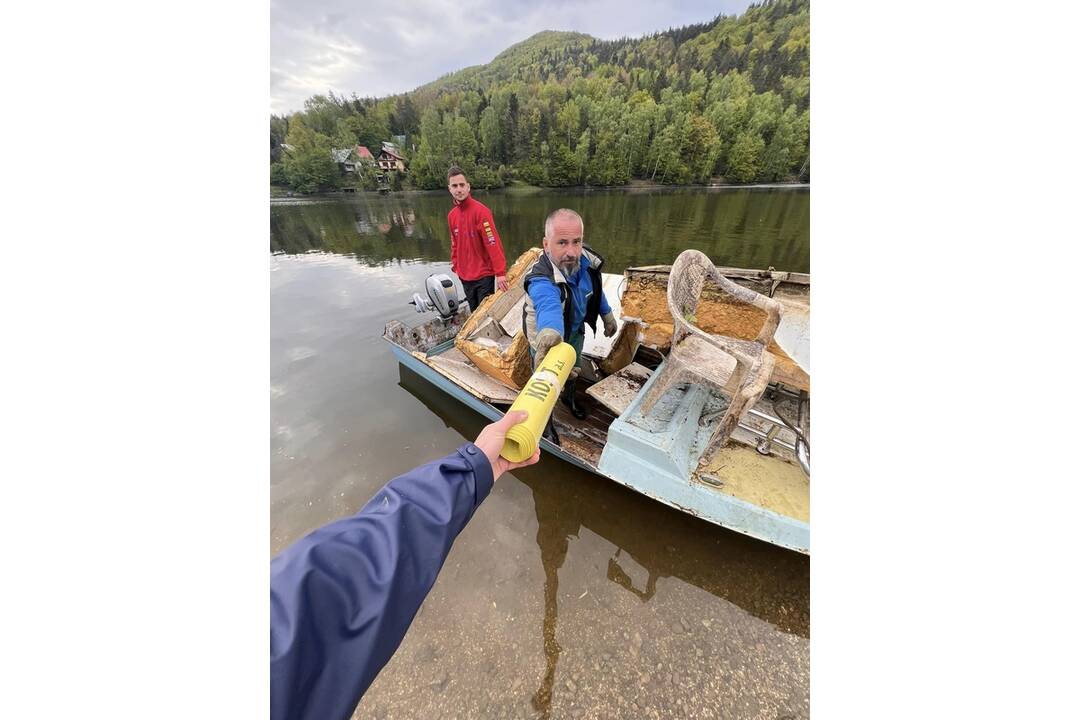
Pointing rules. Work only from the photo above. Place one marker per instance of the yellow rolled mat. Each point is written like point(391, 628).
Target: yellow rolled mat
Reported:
point(538, 397)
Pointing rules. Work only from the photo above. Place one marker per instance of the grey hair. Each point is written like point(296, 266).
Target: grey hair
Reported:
point(549, 223)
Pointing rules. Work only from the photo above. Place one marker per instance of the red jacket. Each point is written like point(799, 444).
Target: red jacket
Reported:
point(475, 249)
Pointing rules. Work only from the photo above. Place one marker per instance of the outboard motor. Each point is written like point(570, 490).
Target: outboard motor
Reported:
point(442, 297)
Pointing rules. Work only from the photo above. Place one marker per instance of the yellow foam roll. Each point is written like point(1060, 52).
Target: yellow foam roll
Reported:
point(538, 397)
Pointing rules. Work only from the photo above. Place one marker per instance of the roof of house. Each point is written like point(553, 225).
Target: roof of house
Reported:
point(340, 154)
point(392, 153)
point(363, 152)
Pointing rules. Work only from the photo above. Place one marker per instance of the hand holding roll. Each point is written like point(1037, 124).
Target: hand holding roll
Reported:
point(491, 439)
point(538, 399)
point(545, 340)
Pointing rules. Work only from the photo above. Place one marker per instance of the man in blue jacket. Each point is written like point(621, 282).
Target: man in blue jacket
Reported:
point(342, 598)
point(565, 293)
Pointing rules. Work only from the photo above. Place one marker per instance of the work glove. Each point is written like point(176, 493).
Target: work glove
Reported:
point(545, 340)
point(610, 327)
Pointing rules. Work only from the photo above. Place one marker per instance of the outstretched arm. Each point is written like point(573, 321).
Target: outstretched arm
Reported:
point(343, 597)
point(548, 303)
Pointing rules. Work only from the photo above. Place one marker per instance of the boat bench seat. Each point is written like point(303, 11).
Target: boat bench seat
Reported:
point(616, 392)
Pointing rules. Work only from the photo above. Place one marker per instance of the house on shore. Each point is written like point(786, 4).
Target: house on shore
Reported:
point(346, 158)
point(365, 155)
point(390, 158)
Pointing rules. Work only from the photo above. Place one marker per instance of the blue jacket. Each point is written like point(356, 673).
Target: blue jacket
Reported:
point(544, 293)
point(342, 598)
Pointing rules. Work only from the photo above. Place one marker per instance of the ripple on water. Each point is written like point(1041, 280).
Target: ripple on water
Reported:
point(297, 354)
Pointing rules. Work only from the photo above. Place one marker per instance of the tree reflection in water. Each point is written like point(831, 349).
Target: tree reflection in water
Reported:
point(757, 577)
point(736, 227)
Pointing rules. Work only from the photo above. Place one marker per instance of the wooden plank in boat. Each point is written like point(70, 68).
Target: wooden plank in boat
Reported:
point(454, 365)
point(584, 439)
point(511, 321)
point(505, 301)
point(615, 392)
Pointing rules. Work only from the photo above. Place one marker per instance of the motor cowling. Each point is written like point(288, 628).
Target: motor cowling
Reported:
point(442, 296)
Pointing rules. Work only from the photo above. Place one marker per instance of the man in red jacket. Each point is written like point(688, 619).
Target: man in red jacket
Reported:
point(476, 253)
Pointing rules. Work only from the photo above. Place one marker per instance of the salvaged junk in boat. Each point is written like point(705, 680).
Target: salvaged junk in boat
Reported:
point(701, 400)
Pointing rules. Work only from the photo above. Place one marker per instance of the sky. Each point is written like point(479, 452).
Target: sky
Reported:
point(383, 47)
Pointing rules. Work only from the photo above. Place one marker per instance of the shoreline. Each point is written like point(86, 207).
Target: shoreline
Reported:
point(279, 193)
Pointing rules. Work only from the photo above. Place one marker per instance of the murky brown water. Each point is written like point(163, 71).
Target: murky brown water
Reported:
point(567, 595)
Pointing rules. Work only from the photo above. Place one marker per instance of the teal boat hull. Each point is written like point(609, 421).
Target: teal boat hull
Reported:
point(624, 465)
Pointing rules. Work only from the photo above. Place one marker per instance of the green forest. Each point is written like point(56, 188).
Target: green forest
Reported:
point(722, 101)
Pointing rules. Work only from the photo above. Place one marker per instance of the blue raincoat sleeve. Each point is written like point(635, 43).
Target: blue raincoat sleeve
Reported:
point(548, 304)
point(342, 598)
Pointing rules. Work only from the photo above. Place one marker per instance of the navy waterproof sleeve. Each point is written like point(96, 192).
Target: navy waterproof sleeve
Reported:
point(342, 598)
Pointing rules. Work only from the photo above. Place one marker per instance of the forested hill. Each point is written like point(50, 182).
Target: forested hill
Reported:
point(728, 98)
point(514, 63)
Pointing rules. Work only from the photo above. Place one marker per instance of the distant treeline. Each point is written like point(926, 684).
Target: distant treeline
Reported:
point(729, 98)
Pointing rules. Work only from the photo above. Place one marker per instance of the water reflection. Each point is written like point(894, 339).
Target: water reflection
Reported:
point(554, 527)
point(736, 227)
point(374, 230)
point(769, 583)
point(617, 575)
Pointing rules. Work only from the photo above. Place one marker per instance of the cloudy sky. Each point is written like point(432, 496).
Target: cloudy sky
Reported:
point(379, 47)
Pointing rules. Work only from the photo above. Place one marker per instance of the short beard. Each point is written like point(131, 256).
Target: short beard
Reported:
point(567, 267)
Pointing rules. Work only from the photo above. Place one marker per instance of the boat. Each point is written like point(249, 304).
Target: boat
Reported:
point(755, 482)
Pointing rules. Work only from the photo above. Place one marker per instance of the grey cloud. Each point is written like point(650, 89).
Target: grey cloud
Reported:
point(381, 48)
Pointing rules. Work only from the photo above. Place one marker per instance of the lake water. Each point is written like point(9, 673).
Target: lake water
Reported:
point(567, 595)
